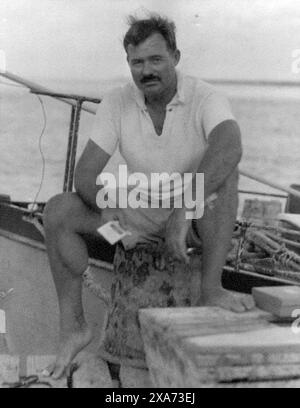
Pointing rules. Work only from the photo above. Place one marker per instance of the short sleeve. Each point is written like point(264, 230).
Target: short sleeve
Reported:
point(105, 132)
point(215, 109)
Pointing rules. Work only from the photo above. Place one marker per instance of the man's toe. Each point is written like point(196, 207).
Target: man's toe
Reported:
point(248, 302)
point(48, 371)
point(59, 371)
point(237, 306)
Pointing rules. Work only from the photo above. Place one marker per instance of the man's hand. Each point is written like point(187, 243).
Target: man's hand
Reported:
point(217, 296)
point(176, 233)
point(114, 214)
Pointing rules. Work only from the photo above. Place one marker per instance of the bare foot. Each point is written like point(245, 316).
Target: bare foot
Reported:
point(71, 343)
point(237, 302)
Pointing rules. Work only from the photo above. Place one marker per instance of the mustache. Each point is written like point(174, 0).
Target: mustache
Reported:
point(149, 78)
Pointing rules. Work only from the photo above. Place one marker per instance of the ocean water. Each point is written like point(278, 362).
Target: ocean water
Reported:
point(269, 119)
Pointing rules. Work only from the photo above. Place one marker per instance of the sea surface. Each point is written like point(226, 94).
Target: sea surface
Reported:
point(269, 118)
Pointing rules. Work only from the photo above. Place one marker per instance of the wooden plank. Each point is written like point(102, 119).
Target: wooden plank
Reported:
point(211, 352)
point(258, 384)
point(9, 369)
point(270, 340)
point(246, 359)
point(35, 366)
point(256, 373)
point(211, 315)
point(204, 320)
point(261, 212)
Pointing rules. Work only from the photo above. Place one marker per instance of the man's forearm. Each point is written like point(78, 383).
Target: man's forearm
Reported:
point(88, 196)
point(222, 156)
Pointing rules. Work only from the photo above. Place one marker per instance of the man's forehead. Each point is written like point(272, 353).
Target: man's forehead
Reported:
point(154, 43)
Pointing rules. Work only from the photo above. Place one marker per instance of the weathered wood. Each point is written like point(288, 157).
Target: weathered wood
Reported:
point(195, 347)
point(261, 212)
point(279, 300)
point(9, 369)
point(258, 384)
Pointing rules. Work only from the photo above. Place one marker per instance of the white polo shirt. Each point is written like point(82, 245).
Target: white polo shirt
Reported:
point(123, 122)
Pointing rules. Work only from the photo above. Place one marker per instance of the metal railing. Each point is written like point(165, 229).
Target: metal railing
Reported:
point(76, 103)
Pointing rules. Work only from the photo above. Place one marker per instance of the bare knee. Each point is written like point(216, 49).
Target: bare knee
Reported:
point(60, 211)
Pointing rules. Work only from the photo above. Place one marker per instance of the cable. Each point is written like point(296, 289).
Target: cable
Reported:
point(13, 85)
point(41, 153)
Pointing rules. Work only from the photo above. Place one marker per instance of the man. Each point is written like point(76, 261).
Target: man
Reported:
point(163, 122)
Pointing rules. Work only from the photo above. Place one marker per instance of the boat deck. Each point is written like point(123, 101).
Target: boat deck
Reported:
point(92, 373)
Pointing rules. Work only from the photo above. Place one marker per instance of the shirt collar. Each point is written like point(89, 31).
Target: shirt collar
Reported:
point(178, 98)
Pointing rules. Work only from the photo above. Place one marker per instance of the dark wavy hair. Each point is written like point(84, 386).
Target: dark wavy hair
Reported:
point(141, 29)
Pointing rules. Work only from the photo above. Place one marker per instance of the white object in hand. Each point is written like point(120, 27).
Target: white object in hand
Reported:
point(113, 232)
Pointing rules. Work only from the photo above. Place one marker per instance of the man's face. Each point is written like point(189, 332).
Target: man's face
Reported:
point(152, 65)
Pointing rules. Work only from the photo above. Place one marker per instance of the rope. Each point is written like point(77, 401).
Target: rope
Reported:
point(272, 244)
point(286, 257)
point(33, 208)
point(41, 153)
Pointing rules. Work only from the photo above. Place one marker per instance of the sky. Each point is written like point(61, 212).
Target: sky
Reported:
point(82, 39)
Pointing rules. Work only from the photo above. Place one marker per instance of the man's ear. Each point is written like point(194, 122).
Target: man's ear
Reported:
point(177, 56)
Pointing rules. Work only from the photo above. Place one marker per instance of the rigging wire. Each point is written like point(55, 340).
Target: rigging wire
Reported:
point(34, 203)
point(13, 85)
point(41, 153)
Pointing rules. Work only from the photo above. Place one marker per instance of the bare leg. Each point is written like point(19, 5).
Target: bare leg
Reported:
point(65, 218)
point(215, 229)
